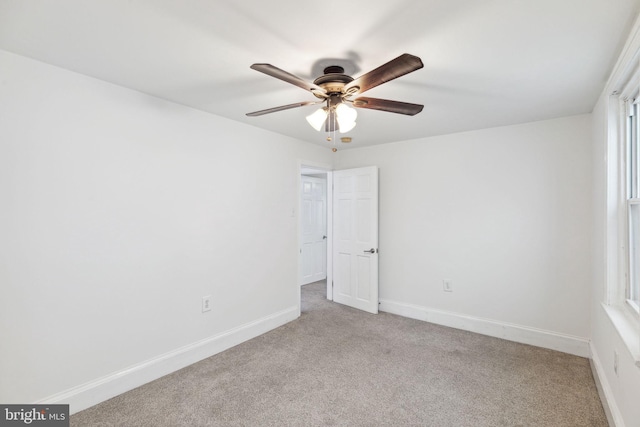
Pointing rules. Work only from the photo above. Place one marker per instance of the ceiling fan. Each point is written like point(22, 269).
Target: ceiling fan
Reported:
point(336, 89)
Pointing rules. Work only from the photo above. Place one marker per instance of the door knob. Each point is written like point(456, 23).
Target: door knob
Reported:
point(324, 237)
point(370, 251)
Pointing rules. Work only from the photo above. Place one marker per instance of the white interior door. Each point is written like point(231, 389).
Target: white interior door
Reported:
point(355, 238)
point(314, 229)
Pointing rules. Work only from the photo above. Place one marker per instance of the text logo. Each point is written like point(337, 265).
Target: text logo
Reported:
point(34, 415)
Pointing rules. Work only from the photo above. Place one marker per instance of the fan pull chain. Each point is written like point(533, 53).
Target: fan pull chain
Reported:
point(332, 128)
point(333, 139)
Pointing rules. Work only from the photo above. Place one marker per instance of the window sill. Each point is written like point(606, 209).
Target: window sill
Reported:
point(628, 328)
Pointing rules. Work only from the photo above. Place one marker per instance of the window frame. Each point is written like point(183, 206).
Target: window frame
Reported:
point(622, 85)
point(629, 142)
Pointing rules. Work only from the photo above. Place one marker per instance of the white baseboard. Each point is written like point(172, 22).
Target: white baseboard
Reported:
point(614, 417)
point(101, 389)
point(522, 334)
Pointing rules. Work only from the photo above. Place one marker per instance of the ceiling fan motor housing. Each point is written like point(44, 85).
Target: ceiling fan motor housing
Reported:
point(333, 80)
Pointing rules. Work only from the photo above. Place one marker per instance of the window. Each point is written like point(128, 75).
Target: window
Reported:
point(631, 132)
point(621, 194)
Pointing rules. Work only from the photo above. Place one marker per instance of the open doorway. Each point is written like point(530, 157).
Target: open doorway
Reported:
point(351, 249)
point(314, 224)
point(313, 219)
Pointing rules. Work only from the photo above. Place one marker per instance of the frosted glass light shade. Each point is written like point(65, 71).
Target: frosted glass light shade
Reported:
point(346, 113)
point(346, 127)
point(316, 119)
point(346, 117)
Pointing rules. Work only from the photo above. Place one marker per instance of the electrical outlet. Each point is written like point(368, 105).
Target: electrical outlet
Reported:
point(206, 303)
point(615, 362)
point(447, 285)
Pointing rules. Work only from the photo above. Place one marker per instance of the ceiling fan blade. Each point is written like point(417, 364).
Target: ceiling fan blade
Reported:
point(276, 72)
point(403, 64)
point(387, 105)
point(283, 107)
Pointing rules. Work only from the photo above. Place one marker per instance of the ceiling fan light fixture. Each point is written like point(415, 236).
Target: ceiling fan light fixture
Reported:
point(316, 119)
point(336, 89)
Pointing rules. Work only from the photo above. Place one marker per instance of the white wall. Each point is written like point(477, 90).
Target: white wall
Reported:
point(505, 213)
point(119, 212)
point(621, 390)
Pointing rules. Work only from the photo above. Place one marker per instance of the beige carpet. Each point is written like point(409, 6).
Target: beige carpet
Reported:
point(336, 366)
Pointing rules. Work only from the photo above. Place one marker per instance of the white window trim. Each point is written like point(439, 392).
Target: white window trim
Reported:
point(622, 85)
point(629, 96)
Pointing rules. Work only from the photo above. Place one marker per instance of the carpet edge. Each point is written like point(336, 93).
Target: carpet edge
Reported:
point(93, 392)
point(565, 343)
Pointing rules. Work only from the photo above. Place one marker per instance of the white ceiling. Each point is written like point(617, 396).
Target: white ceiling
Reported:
point(487, 62)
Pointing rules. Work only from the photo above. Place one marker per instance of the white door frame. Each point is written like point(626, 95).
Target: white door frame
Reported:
point(321, 167)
